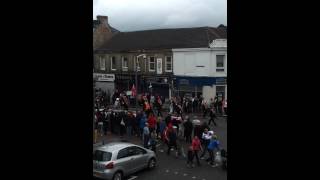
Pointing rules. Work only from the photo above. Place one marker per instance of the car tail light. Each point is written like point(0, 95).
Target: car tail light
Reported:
point(110, 165)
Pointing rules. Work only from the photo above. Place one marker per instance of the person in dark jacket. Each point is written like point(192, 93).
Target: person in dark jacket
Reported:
point(188, 127)
point(212, 117)
point(172, 140)
point(168, 119)
point(190, 157)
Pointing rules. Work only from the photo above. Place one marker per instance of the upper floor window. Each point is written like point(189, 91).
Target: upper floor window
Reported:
point(220, 63)
point(102, 63)
point(152, 64)
point(124, 63)
point(137, 64)
point(113, 63)
point(168, 64)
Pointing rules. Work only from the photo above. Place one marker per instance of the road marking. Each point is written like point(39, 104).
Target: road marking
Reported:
point(194, 177)
point(132, 177)
point(161, 150)
point(176, 172)
point(158, 145)
point(185, 174)
point(167, 171)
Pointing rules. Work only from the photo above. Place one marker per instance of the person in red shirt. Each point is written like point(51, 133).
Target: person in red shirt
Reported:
point(152, 122)
point(196, 146)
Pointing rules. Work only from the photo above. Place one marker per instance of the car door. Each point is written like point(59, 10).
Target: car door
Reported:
point(139, 157)
point(124, 160)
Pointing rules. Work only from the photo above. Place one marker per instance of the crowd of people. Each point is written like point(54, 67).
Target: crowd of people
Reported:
point(152, 127)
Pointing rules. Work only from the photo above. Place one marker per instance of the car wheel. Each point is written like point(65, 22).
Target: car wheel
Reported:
point(152, 163)
point(117, 176)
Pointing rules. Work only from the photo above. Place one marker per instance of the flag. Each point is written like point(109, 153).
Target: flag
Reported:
point(133, 91)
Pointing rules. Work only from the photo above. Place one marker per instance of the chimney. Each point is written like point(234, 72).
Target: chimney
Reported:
point(103, 20)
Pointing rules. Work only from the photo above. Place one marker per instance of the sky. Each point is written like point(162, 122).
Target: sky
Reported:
point(134, 15)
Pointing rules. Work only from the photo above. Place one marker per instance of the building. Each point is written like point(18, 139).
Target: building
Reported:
point(203, 70)
point(156, 59)
point(102, 32)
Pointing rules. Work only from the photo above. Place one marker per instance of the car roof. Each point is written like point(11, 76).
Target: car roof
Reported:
point(113, 146)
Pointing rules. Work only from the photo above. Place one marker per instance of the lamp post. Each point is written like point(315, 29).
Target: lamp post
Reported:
point(136, 78)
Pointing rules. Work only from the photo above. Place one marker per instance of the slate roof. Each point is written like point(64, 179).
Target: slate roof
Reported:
point(165, 39)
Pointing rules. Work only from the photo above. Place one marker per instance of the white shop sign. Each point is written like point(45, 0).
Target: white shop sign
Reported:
point(104, 77)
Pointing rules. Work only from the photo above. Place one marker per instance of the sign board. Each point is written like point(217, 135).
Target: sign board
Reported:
point(104, 77)
point(184, 81)
point(221, 80)
point(159, 65)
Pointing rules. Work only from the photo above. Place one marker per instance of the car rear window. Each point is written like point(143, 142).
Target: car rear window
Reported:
point(101, 155)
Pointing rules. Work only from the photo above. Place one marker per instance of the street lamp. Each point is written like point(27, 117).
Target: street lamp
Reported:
point(136, 78)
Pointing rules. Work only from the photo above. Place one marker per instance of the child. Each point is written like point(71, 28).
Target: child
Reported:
point(190, 157)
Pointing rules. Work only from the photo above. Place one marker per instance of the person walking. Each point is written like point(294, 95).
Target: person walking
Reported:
point(196, 146)
point(212, 146)
point(206, 137)
point(122, 125)
point(162, 128)
point(172, 140)
point(225, 106)
point(158, 126)
point(146, 135)
point(142, 124)
point(129, 123)
point(190, 157)
point(153, 141)
point(212, 117)
point(188, 127)
point(152, 122)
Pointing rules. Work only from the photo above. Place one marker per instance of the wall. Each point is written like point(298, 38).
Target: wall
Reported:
point(187, 62)
point(144, 63)
point(208, 92)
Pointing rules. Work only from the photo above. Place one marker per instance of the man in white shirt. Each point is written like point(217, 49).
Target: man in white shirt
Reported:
point(206, 136)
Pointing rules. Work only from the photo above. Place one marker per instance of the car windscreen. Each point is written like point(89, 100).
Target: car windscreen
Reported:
point(101, 155)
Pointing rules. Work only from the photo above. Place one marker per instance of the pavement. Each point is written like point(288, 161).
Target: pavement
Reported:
point(172, 168)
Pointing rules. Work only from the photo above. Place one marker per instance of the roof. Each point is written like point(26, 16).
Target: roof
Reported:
point(165, 38)
point(110, 147)
point(96, 23)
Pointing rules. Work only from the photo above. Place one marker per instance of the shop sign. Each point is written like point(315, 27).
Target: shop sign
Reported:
point(104, 77)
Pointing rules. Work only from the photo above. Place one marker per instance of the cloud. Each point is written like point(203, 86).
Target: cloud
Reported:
point(131, 15)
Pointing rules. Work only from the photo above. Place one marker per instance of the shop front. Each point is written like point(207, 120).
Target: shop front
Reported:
point(209, 87)
point(105, 82)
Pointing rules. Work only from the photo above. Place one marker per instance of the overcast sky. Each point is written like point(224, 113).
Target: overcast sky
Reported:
point(132, 15)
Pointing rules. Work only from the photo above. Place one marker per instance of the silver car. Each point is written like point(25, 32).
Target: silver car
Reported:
point(119, 159)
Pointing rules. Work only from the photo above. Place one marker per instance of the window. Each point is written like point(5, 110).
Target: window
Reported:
point(123, 153)
point(113, 63)
point(101, 156)
point(168, 64)
point(124, 63)
point(137, 64)
point(152, 64)
point(220, 90)
point(220, 63)
point(102, 63)
point(136, 151)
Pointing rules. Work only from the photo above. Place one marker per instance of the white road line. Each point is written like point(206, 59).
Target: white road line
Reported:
point(167, 171)
point(132, 177)
point(194, 177)
point(158, 145)
point(185, 174)
point(176, 172)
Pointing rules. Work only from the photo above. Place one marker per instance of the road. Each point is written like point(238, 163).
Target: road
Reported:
point(172, 168)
